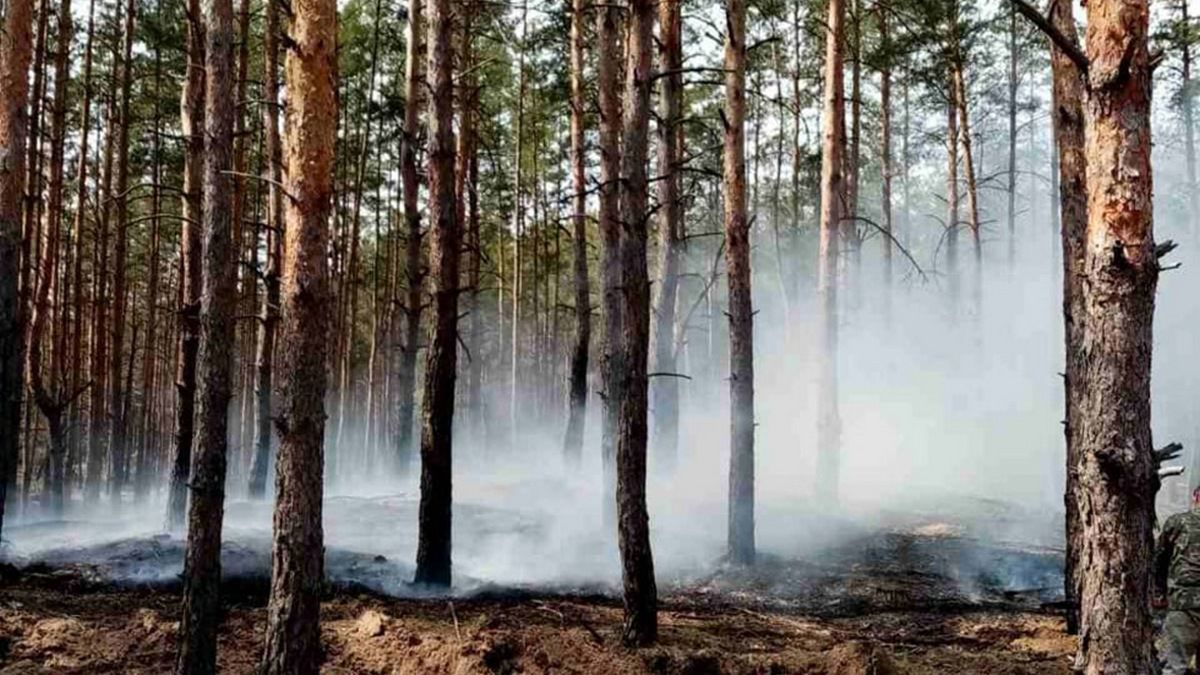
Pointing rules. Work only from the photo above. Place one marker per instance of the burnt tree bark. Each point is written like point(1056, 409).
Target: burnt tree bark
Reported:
point(202, 565)
point(741, 311)
point(191, 245)
point(829, 424)
point(1117, 480)
point(637, 561)
point(437, 414)
point(577, 398)
point(1072, 170)
point(293, 638)
point(414, 274)
point(608, 35)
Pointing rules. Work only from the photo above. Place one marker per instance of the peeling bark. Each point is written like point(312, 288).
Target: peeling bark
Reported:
point(1117, 480)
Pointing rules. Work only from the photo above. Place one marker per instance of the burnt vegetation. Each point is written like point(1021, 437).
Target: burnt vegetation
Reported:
point(631, 336)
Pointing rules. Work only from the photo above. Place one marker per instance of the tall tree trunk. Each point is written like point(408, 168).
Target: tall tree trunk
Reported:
point(665, 387)
point(464, 197)
point(293, 636)
point(853, 157)
point(964, 128)
point(518, 230)
point(829, 424)
point(351, 277)
point(415, 276)
point(116, 399)
point(191, 247)
point(608, 35)
point(1011, 211)
point(271, 298)
point(49, 397)
point(149, 358)
point(245, 254)
point(1189, 123)
point(1072, 168)
point(637, 561)
point(202, 565)
point(437, 403)
point(905, 160)
point(797, 148)
point(885, 151)
point(33, 166)
point(75, 422)
point(577, 401)
point(741, 311)
point(952, 194)
point(1117, 478)
point(101, 365)
point(475, 369)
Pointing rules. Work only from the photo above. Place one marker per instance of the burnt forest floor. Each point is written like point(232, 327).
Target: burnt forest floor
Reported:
point(916, 592)
point(62, 621)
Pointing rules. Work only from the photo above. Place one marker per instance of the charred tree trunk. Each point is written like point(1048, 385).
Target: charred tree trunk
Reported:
point(1072, 168)
point(577, 401)
point(829, 424)
point(608, 35)
point(414, 274)
point(437, 414)
point(1116, 468)
point(637, 562)
point(741, 311)
point(293, 638)
point(191, 245)
point(665, 387)
point(275, 219)
point(202, 564)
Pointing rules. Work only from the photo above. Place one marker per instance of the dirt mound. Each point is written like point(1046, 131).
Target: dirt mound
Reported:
point(860, 658)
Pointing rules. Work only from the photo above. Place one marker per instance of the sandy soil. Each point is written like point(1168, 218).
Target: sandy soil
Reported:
point(57, 621)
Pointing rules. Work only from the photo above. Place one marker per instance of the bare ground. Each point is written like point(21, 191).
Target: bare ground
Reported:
point(58, 621)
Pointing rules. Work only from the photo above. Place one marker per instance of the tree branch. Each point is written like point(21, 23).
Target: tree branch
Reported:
point(1066, 46)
